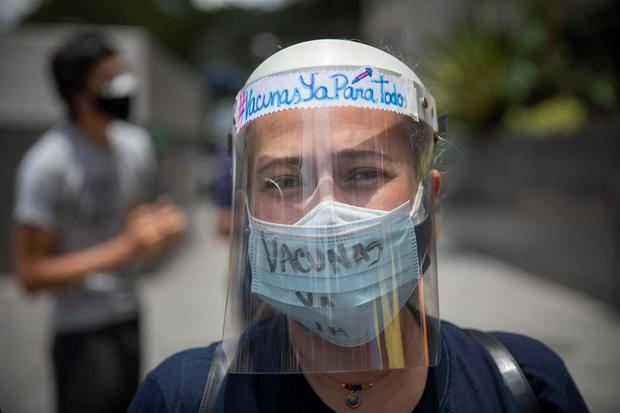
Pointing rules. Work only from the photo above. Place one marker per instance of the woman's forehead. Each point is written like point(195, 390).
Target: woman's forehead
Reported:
point(333, 128)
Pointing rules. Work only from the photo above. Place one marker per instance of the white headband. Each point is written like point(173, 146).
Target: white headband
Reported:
point(365, 87)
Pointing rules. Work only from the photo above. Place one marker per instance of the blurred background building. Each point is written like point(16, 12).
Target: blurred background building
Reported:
point(531, 89)
point(169, 103)
point(530, 238)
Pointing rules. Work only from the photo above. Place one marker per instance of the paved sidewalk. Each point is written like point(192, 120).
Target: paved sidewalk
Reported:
point(184, 303)
point(481, 292)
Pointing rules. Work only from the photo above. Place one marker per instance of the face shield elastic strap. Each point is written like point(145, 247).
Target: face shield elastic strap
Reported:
point(424, 235)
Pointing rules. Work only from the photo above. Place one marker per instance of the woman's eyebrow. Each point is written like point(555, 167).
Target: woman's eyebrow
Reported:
point(344, 155)
point(355, 154)
point(286, 161)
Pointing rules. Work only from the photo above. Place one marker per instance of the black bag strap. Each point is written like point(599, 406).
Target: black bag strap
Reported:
point(511, 372)
point(217, 372)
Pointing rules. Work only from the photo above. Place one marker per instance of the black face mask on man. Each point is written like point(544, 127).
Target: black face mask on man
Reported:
point(118, 107)
point(116, 96)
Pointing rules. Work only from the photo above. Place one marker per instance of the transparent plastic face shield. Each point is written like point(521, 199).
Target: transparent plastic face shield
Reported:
point(332, 265)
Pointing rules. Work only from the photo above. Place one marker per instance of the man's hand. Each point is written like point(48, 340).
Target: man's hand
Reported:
point(152, 227)
point(149, 229)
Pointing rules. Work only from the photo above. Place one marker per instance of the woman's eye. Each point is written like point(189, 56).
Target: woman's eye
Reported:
point(283, 182)
point(366, 175)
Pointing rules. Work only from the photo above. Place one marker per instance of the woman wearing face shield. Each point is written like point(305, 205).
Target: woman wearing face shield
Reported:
point(332, 301)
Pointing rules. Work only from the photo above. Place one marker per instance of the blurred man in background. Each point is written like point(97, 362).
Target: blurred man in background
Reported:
point(85, 210)
point(222, 193)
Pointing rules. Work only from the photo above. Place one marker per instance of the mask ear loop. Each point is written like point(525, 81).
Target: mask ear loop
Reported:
point(417, 217)
point(247, 204)
point(417, 212)
point(276, 185)
point(423, 316)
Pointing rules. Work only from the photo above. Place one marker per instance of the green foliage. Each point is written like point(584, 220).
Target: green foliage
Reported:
point(558, 116)
point(541, 68)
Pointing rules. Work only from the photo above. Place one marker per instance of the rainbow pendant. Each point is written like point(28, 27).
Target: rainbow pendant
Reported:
point(353, 401)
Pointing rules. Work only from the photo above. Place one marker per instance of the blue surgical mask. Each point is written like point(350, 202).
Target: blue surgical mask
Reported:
point(342, 271)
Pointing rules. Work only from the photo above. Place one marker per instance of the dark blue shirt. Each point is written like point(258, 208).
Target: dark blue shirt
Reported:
point(466, 380)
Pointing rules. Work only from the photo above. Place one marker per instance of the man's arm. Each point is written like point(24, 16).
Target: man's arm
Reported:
point(38, 268)
point(149, 229)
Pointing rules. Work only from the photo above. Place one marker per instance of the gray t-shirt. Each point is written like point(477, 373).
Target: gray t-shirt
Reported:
point(83, 191)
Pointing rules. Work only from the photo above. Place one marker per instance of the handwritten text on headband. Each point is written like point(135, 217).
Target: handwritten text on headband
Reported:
point(362, 88)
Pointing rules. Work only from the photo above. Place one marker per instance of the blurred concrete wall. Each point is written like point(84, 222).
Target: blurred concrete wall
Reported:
point(169, 102)
point(549, 207)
